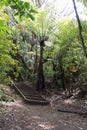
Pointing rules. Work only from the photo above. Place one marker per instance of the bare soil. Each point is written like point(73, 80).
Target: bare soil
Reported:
point(19, 115)
point(22, 116)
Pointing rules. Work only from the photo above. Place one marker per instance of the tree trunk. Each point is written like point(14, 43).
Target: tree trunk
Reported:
point(80, 29)
point(62, 75)
point(36, 63)
point(54, 75)
point(62, 79)
point(40, 84)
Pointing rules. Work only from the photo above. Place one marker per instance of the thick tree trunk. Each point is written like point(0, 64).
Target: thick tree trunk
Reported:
point(40, 84)
point(80, 28)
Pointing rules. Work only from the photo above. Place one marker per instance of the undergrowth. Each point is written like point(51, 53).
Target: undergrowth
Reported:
point(7, 94)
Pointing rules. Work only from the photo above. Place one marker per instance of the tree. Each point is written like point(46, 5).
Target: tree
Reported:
point(84, 2)
point(66, 38)
point(25, 10)
point(6, 47)
point(25, 54)
point(80, 29)
point(41, 28)
point(39, 3)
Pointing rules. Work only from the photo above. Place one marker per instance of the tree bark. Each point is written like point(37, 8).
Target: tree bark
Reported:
point(40, 84)
point(54, 75)
point(62, 75)
point(36, 58)
point(80, 28)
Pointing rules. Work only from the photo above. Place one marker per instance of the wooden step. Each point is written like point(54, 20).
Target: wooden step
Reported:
point(35, 98)
point(31, 96)
point(37, 102)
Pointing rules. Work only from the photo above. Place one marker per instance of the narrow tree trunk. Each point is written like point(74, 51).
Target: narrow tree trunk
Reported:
point(24, 63)
point(62, 75)
point(80, 28)
point(40, 84)
point(35, 63)
point(54, 75)
point(62, 79)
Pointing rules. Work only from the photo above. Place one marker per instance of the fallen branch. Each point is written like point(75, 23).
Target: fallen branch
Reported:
point(74, 112)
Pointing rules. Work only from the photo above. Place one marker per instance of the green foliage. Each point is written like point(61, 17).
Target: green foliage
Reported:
point(62, 51)
point(6, 95)
point(25, 10)
point(67, 33)
point(84, 2)
point(67, 54)
point(2, 2)
point(6, 47)
point(42, 26)
point(82, 78)
point(28, 36)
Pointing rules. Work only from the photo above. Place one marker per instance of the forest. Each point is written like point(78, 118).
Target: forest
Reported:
point(35, 47)
point(44, 46)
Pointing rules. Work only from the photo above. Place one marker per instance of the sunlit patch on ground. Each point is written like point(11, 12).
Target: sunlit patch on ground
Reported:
point(46, 125)
point(69, 101)
point(16, 103)
point(35, 117)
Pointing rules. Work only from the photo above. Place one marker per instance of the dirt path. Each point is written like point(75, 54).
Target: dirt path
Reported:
point(22, 116)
